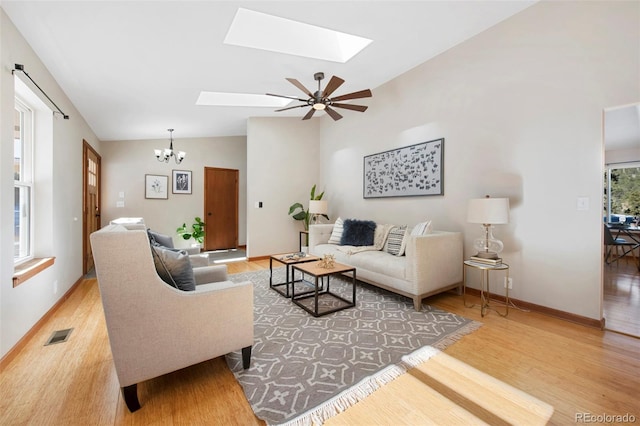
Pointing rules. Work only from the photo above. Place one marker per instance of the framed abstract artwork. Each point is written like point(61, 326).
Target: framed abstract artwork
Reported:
point(181, 182)
point(413, 170)
point(156, 187)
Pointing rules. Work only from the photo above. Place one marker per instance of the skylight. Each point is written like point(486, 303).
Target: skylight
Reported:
point(240, 100)
point(267, 32)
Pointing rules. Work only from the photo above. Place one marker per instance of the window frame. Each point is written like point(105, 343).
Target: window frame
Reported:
point(26, 178)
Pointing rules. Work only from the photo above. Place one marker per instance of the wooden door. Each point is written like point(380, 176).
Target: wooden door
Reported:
point(91, 202)
point(221, 208)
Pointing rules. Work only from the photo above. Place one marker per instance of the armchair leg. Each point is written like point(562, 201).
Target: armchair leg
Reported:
point(130, 395)
point(246, 357)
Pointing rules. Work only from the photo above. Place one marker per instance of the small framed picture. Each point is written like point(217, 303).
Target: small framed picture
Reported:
point(182, 181)
point(156, 187)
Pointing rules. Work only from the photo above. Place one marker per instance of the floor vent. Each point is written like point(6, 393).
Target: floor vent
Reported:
point(59, 336)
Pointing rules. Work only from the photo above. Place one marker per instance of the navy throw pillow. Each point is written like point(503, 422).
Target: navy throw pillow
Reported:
point(358, 232)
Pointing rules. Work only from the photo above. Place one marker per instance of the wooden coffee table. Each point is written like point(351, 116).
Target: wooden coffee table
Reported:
point(288, 260)
point(322, 277)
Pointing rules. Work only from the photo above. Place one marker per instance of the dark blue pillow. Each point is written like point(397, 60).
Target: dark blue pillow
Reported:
point(358, 233)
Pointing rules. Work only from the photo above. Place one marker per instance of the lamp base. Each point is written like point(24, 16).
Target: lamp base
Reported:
point(487, 255)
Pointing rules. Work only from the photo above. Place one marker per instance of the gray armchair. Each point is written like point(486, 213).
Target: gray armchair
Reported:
point(155, 329)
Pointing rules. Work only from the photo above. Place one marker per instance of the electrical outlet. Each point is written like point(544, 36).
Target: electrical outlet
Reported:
point(510, 283)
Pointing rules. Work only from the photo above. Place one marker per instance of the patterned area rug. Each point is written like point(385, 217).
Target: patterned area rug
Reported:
point(305, 369)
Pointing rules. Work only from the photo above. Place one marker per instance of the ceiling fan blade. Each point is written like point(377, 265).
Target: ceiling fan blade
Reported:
point(333, 113)
point(300, 86)
point(360, 108)
point(333, 84)
point(297, 106)
point(288, 97)
point(309, 114)
point(355, 95)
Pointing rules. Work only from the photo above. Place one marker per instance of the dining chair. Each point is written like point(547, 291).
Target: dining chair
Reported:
point(627, 247)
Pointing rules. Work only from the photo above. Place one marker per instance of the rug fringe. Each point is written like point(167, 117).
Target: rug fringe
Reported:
point(356, 393)
point(457, 335)
point(347, 398)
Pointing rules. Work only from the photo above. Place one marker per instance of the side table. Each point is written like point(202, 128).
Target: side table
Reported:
point(288, 260)
point(485, 292)
point(322, 288)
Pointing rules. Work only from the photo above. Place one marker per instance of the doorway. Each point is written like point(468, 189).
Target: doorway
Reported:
point(621, 280)
point(90, 202)
point(221, 208)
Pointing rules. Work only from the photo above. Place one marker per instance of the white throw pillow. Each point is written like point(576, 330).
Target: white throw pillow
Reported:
point(423, 228)
point(336, 234)
point(396, 240)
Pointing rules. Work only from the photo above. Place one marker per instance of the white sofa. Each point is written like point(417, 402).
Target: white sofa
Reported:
point(432, 263)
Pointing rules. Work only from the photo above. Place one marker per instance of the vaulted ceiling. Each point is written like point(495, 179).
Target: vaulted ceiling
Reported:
point(134, 69)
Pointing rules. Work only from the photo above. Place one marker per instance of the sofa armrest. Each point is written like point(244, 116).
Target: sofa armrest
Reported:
point(434, 260)
point(210, 274)
point(319, 234)
point(199, 260)
point(192, 250)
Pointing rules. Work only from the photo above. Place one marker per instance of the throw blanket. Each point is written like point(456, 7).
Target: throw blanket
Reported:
point(382, 231)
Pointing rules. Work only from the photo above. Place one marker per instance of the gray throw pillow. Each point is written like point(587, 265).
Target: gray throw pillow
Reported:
point(396, 240)
point(358, 233)
point(174, 267)
point(160, 239)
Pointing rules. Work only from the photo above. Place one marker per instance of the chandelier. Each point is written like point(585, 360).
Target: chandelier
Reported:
point(164, 155)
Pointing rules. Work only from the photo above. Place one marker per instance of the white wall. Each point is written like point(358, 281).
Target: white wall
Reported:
point(520, 107)
point(23, 306)
point(125, 163)
point(282, 164)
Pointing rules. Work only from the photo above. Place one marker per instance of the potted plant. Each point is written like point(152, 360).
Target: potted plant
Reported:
point(298, 212)
point(196, 231)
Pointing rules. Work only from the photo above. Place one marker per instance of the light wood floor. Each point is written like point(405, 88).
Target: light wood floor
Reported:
point(621, 297)
point(574, 368)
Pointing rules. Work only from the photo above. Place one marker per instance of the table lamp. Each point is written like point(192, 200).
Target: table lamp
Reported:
point(317, 207)
point(488, 212)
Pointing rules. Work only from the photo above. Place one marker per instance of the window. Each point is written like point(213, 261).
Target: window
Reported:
point(622, 192)
point(23, 182)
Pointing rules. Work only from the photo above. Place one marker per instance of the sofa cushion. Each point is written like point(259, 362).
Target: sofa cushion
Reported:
point(396, 240)
point(375, 261)
point(174, 267)
point(358, 233)
point(422, 228)
point(336, 234)
point(160, 239)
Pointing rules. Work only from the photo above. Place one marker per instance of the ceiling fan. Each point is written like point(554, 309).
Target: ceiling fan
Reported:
point(320, 100)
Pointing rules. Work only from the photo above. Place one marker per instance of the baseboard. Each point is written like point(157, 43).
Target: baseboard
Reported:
point(567, 316)
point(252, 259)
point(15, 350)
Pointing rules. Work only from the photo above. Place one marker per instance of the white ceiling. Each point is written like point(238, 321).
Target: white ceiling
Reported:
point(136, 68)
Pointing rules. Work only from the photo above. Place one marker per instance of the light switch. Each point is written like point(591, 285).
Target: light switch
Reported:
point(120, 204)
point(583, 203)
point(121, 194)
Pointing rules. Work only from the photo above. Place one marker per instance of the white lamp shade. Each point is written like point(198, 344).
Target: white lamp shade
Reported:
point(488, 210)
point(318, 207)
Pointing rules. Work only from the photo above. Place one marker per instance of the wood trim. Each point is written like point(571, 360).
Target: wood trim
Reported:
point(253, 259)
point(567, 316)
point(31, 268)
point(15, 350)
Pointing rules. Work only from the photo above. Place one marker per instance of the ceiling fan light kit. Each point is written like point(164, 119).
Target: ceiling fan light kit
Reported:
point(320, 100)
